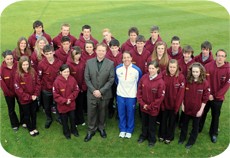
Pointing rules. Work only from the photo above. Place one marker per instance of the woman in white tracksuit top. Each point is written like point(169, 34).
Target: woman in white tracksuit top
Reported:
point(127, 77)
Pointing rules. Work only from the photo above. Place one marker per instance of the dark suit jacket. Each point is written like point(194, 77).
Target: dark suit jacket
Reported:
point(99, 80)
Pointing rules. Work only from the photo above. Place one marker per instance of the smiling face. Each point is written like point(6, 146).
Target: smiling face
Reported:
point(89, 48)
point(9, 60)
point(25, 66)
point(86, 34)
point(175, 45)
point(196, 72)
point(152, 70)
point(160, 50)
point(22, 45)
point(65, 73)
point(127, 59)
point(101, 51)
point(173, 68)
point(65, 30)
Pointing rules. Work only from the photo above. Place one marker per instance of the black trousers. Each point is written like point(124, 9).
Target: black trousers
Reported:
point(64, 118)
point(168, 124)
point(148, 127)
point(79, 114)
point(10, 101)
point(111, 109)
point(30, 118)
point(195, 129)
point(215, 112)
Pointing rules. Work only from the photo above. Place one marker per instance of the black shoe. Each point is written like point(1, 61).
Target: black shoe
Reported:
point(102, 133)
point(68, 137)
point(180, 141)
point(188, 146)
point(48, 123)
point(140, 140)
point(151, 144)
point(89, 136)
point(76, 134)
point(214, 139)
point(111, 114)
point(59, 121)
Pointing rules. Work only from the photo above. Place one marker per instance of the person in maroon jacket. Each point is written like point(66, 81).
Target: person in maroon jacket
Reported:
point(65, 91)
point(114, 55)
point(38, 54)
point(27, 87)
point(77, 69)
point(7, 73)
point(175, 51)
point(218, 76)
point(155, 37)
point(206, 53)
point(174, 94)
point(48, 69)
point(88, 51)
point(65, 50)
point(84, 36)
point(107, 37)
point(140, 54)
point(65, 31)
point(197, 87)
point(150, 94)
point(131, 42)
point(38, 32)
point(22, 49)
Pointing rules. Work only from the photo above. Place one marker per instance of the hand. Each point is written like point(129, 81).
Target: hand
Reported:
point(97, 94)
point(145, 107)
point(211, 97)
point(34, 97)
point(182, 107)
point(199, 113)
point(68, 101)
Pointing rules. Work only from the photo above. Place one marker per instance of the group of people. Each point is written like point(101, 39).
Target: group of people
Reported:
point(81, 75)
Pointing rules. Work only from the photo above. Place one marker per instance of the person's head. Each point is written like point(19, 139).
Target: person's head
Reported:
point(89, 46)
point(196, 72)
point(64, 71)
point(101, 51)
point(22, 43)
point(154, 31)
point(140, 42)
point(107, 35)
point(133, 33)
point(86, 31)
point(153, 68)
point(8, 57)
point(65, 42)
point(175, 43)
point(187, 52)
point(160, 53)
point(126, 58)
point(114, 45)
point(172, 68)
point(24, 65)
point(48, 51)
point(39, 45)
point(65, 29)
point(38, 27)
point(206, 47)
point(76, 53)
point(221, 56)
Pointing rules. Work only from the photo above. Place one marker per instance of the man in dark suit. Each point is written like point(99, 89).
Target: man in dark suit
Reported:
point(99, 77)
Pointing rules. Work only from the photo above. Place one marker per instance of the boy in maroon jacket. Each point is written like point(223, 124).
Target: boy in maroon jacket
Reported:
point(65, 31)
point(140, 54)
point(196, 96)
point(206, 53)
point(218, 76)
point(84, 36)
point(65, 50)
point(131, 42)
point(48, 69)
point(38, 32)
point(175, 51)
point(155, 37)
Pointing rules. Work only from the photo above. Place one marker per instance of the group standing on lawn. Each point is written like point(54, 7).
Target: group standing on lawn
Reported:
point(77, 76)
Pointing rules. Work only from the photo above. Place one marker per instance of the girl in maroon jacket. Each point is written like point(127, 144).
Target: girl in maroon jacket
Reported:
point(196, 95)
point(88, 52)
point(7, 73)
point(27, 87)
point(77, 69)
point(65, 91)
point(150, 94)
point(22, 49)
point(174, 94)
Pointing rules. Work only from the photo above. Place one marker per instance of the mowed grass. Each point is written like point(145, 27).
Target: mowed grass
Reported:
point(192, 21)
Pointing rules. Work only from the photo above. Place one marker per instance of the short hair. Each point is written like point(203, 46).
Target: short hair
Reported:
point(202, 76)
point(206, 45)
point(48, 48)
point(133, 30)
point(155, 63)
point(175, 38)
point(106, 30)
point(187, 49)
point(154, 28)
point(37, 23)
point(65, 39)
point(173, 61)
point(86, 27)
point(63, 67)
point(7, 52)
point(140, 38)
point(222, 51)
point(65, 25)
point(114, 42)
point(101, 44)
point(127, 52)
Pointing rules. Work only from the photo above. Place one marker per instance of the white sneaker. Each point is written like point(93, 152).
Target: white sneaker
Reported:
point(83, 124)
point(122, 135)
point(128, 135)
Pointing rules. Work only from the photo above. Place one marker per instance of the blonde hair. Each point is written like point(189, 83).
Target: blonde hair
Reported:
point(165, 59)
point(37, 49)
point(173, 61)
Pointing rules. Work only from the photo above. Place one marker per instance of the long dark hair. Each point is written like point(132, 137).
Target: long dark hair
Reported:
point(202, 76)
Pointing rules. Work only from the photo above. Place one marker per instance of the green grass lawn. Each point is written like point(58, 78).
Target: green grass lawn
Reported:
point(193, 21)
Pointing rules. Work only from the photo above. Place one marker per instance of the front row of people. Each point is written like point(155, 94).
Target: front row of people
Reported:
point(155, 91)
